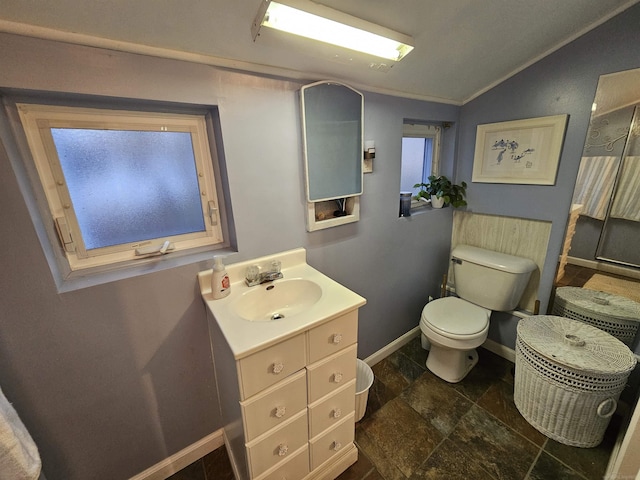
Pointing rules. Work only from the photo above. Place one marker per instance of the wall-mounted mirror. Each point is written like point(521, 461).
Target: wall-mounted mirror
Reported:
point(332, 132)
point(601, 251)
point(606, 196)
point(332, 119)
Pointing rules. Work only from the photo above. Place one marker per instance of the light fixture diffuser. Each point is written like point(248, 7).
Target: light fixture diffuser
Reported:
point(317, 22)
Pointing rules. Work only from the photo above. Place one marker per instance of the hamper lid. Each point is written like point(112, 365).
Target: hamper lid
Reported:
point(575, 344)
point(602, 303)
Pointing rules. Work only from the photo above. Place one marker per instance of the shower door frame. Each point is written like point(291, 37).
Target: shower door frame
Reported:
point(634, 130)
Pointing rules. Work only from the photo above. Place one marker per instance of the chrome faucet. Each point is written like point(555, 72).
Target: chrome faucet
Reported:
point(253, 275)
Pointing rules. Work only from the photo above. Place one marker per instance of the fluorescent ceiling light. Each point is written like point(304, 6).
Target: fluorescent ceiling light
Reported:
point(331, 26)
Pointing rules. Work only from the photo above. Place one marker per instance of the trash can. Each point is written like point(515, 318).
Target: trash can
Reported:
point(364, 380)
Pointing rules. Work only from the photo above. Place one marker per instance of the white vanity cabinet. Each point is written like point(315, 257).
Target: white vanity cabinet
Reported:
point(288, 407)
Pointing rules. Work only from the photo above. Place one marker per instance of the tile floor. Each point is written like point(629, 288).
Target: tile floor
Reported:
point(575, 276)
point(419, 427)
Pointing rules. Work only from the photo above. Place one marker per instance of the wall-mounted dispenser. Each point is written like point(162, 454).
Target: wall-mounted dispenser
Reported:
point(369, 155)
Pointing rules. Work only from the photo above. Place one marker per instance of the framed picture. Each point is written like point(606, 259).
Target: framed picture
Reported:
point(521, 151)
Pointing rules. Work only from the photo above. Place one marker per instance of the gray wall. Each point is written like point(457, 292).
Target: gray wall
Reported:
point(562, 83)
point(113, 378)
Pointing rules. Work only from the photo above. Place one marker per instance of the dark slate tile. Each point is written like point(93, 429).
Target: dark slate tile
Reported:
point(448, 462)
point(502, 452)
point(590, 462)
point(498, 401)
point(490, 369)
point(217, 465)
point(409, 369)
point(386, 372)
point(437, 402)
point(401, 436)
point(501, 367)
point(359, 470)
point(414, 351)
point(378, 457)
point(190, 472)
point(379, 394)
point(548, 467)
point(374, 475)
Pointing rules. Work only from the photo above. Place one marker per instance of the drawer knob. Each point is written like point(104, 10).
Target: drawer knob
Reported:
point(278, 367)
point(337, 445)
point(281, 411)
point(337, 338)
point(337, 377)
point(282, 450)
point(337, 413)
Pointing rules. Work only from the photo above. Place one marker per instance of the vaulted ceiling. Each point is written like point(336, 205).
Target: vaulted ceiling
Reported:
point(462, 47)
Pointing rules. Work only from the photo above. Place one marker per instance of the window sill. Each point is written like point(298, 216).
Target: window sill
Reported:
point(71, 281)
point(418, 208)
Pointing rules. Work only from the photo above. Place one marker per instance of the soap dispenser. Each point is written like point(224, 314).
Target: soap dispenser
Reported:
point(220, 284)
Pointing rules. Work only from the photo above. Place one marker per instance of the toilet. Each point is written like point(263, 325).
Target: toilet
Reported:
point(453, 327)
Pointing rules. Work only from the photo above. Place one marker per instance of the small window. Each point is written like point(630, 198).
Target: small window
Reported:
point(420, 155)
point(123, 185)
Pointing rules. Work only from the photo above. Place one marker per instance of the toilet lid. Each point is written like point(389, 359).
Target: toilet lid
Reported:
point(456, 316)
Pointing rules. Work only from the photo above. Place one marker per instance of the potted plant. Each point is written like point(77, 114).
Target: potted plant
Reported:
point(440, 190)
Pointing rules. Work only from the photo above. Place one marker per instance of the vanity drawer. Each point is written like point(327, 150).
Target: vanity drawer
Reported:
point(274, 406)
point(331, 373)
point(332, 441)
point(293, 468)
point(264, 452)
point(269, 366)
point(332, 409)
point(333, 336)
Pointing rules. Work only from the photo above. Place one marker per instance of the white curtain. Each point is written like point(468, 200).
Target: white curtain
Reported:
point(595, 185)
point(626, 203)
point(19, 457)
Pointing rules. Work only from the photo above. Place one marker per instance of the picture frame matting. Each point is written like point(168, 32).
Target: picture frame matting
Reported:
point(520, 151)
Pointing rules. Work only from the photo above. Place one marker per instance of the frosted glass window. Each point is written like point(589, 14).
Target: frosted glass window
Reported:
point(124, 185)
point(128, 186)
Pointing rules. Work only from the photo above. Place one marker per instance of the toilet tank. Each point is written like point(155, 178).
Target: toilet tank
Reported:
point(490, 279)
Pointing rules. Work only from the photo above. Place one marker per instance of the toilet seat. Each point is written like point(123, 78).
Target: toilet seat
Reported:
point(455, 318)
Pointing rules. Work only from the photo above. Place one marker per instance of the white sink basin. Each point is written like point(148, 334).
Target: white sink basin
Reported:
point(251, 318)
point(276, 300)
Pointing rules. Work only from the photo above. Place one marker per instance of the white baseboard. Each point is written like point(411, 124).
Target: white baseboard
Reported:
point(183, 458)
point(388, 349)
point(491, 345)
point(500, 350)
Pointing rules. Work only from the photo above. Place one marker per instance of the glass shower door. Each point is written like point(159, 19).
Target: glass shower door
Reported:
point(620, 237)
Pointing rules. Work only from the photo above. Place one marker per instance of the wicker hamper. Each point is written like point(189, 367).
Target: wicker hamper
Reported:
point(614, 314)
point(568, 378)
